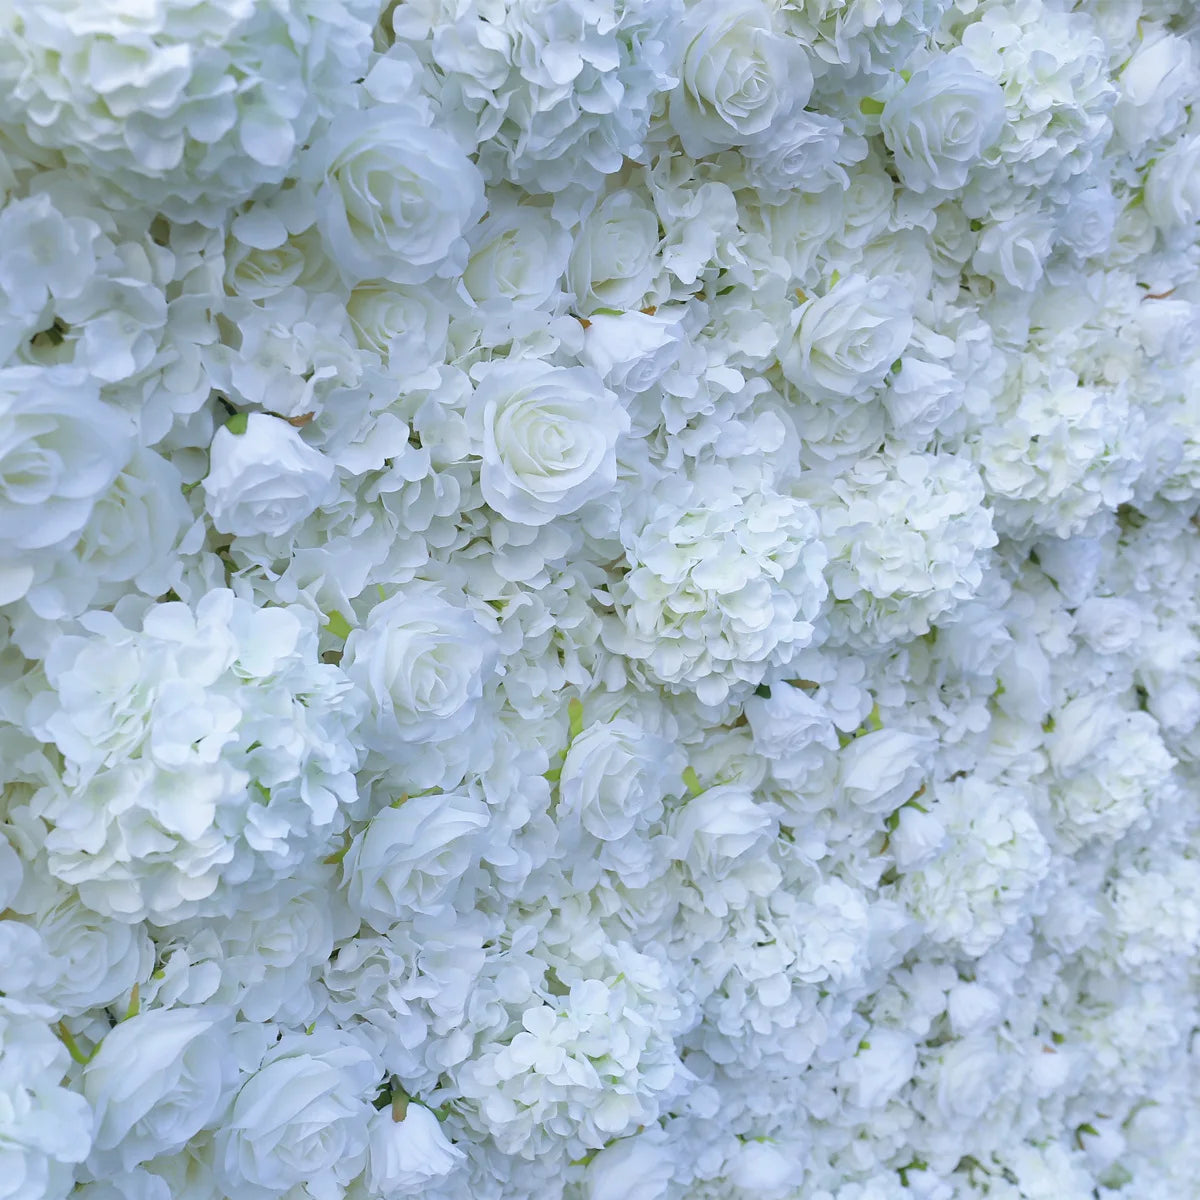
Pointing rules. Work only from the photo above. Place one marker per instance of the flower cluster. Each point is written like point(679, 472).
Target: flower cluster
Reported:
point(599, 599)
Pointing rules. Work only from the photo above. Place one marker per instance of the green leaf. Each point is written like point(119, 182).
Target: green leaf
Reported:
point(338, 625)
point(237, 423)
point(692, 781)
point(870, 107)
point(574, 718)
point(607, 312)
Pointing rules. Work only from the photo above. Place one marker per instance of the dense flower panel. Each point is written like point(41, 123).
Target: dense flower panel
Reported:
point(599, 599)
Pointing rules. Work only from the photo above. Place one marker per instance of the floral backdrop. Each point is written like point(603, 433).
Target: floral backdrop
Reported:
point(599, 599)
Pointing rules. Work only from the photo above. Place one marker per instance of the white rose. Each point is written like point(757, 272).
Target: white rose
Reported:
point(973, 1008)
point(719, 825)
point(884, 1063)
point(403, 325)
point(1109, 624)
point(266, 479)
point(517, 259)
point(157, 1079)
point(1088, 223)
point(60, 450)
point(421, 663)
point(969, 1078)
point(917, 838)
point(939, 124)
point(615, 777)
point(547, 437)
point(410, 857)
point(788, 722)
point(763, 1169)
point(633, 351)
point(1015, 251)
point(615, 256)
point(1156, 84)
point(845, 342)
point(302, 1117)
point(736, 75)
point(633, 1168)
point(881, 770)
point(921, 396)
point(1172, 195)
point(407, 1155)
point(395, 199)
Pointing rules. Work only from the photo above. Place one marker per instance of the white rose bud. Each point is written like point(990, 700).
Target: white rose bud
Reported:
point(881, 770)
point(394, 199)
point(789, 721)
point(157, 1079)
point(547, 437)
point(1015, 251)
point(410, 857)
point(518, 258)
point(736, 76)
point(845, 342)
point(634, 351)
point(406, 1156)
point(967, 1077)
point(939, 124)
point(885, 1062)
point(421, 663)
point(921, 396)
point(266, 479)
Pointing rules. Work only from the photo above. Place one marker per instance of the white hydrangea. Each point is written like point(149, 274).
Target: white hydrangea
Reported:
point(723, 583)
point(188, 112)
point(207, 751)
point(907, 543)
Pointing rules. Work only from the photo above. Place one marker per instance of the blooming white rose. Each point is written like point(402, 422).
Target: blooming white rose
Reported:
point(60, 450)
point(517, 259)
point(1014, 251)
point(408, 1155)
point(411, 856)
point(615, 255)
point(972, 1008)
point(405, 325)
point(884, 1063)
point(788, 722)
point(547, 438)
point(939, 124)
point(157, 1079)
point(845, 342)
point(719, 825)
point(302, 1117)
point(266, 479)
point(633, 351)
point(422, 664)
point(394, 198)
point(614, 778)
point(1156, 84)
point(737, 73)
point(1172, 195)
point(969, 1078)
point(881, 770)
point(1109, 624)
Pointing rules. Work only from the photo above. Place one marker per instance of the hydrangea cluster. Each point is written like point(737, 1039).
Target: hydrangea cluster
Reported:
point(599, 599)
